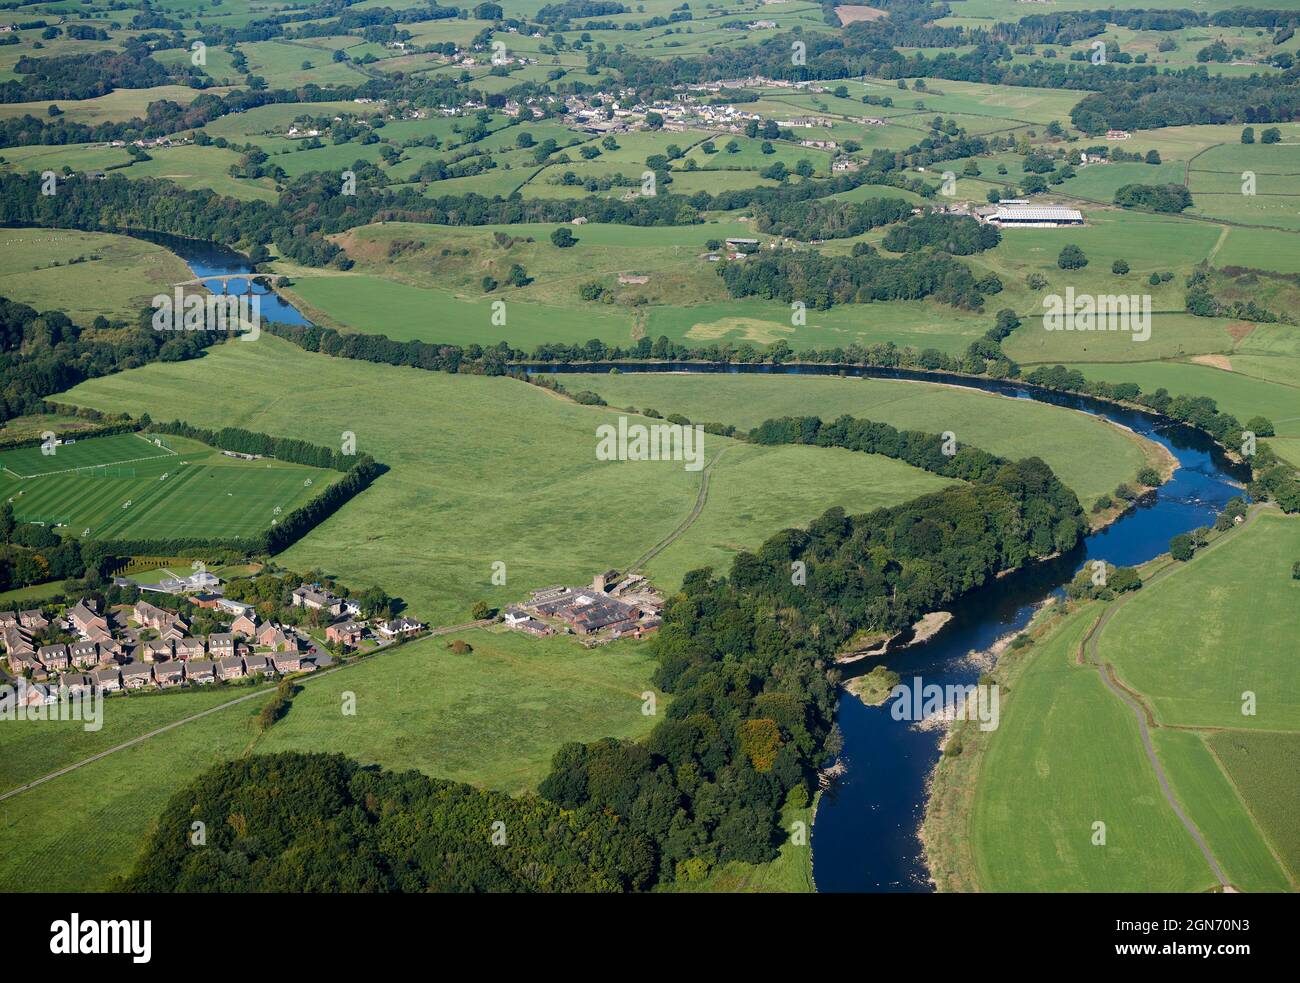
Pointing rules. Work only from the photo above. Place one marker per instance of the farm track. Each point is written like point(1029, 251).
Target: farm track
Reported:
point(700, 500)
point(27, 786)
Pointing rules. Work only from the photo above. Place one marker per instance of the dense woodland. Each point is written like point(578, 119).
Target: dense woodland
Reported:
point(298, 823)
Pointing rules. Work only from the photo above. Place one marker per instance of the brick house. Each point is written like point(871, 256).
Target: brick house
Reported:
point(137, 675)
point(231, 667)
point(188, 649)
point(259, 665)
point(348, 633)
point(109, 680)
point(53, 656)
point(169, 674)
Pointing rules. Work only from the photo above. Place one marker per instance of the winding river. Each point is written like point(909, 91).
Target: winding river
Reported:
point(865, 834)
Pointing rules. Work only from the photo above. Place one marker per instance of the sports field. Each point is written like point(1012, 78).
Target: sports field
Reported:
point(127, 487)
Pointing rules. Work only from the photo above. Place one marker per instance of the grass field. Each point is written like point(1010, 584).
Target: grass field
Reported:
point(1066, 755)
point(1194, 642)
point(124, 487)
point(1088, 454)
point(492, 717)
point(1240, 395)
point(476, 465)
point(117, 277)
point(1255, 763)
point(1068, 751)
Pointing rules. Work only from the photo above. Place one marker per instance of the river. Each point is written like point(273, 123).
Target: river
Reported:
point(865, 835)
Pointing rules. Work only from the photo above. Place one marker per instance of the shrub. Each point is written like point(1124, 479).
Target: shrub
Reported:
point(461, 647)
point(1149, 477)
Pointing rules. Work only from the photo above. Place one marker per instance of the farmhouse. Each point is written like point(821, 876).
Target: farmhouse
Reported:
point(1034, 217)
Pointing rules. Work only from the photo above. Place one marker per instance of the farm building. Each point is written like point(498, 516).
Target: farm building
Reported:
point(1034, 216)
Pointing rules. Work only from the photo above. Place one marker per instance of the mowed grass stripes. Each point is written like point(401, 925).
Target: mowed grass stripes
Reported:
point(125, 487)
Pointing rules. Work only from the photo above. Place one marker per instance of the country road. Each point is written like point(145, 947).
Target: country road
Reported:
point(256, 694)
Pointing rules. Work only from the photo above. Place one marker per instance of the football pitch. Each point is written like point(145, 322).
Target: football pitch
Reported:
point(129, 487)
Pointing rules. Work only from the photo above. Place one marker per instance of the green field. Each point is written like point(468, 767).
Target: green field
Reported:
point(1255, 762)
point(492, 717)
point(475, 464)
point(1196, 641)
point(1067, 755)
point(85, 274)
point(124, 487)
point(1190, 644)
point(1240, 395)
point(1088, 454)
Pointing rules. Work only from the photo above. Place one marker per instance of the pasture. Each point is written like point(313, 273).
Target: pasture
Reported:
point(85, 274)
point(1066, 755)
point(1263, 768)
point(1088, 454)
point(492, 717)
point(475, 462)
point(125, 487)
point(1195, 641)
